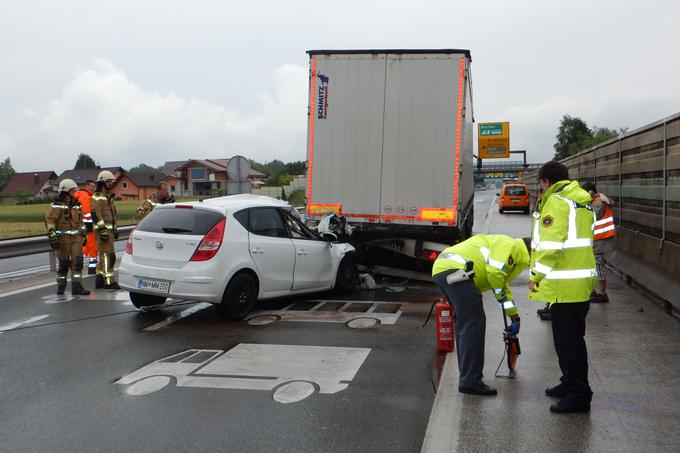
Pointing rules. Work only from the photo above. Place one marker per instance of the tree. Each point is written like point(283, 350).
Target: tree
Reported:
point(283, 194)
point(84, 161)
point(143, 168)
point(570, 136)
point(21, 195)
point(296, 168)
point(601, 134)
point(276, 165)
point(6, 173)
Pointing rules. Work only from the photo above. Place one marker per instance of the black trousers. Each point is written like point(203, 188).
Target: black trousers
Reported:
point(569, 329)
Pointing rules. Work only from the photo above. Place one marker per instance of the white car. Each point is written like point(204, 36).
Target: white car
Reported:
point(231, 251)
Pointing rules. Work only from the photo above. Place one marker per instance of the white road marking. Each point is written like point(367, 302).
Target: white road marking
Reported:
point(442, 435)
point(24, 290)
point(340, 315)
point(14, 325)
point(487, 219)
point(29, 271)
point(294, 371)
point(176, 317)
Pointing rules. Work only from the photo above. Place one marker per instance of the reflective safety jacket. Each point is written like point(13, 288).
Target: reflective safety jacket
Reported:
point(103, 210)
point(604, 217)
point(562, 259)
point(83, 197)
point(497, 259)
point(147, 205)
point(64, 218)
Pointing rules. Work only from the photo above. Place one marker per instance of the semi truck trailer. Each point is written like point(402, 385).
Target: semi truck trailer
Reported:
point(389, 146)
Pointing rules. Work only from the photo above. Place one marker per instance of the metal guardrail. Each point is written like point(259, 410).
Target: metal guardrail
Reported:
point(11, 248)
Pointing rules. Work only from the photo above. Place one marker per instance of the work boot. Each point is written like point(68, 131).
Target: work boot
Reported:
point(545, 316)
point(112, 285)
point(60, 290)
point(567, 406)
point(99, 282)
point(479, 389)
point(559, 391)
point(78, 290)
point(599, 298)
point(542, 311)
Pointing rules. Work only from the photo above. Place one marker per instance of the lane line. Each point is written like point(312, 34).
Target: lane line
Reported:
point(14, 325)
point(487, 219)
point(30, 270)
point(176, 317)
point(442, 429)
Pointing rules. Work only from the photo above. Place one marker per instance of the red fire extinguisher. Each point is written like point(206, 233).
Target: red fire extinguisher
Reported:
point(445, 333)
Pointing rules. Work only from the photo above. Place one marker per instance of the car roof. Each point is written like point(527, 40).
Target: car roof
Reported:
point(236, 202)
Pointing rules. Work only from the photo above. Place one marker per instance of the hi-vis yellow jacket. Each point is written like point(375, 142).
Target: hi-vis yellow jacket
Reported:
point(562, 260)
point(497, 259)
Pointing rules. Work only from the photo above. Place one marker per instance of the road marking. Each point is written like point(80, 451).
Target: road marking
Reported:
point(24, 290)
point(176, 317)
point(442, 432)
point(294, 372)
point(487, 219)
point(14, 325)
point(354, 313)
point(29, 271)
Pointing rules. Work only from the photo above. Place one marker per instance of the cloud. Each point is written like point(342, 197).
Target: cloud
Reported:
point(103, 113)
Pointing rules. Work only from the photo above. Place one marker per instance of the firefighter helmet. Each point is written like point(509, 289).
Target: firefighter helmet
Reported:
point(67, 184)
point(105, 175)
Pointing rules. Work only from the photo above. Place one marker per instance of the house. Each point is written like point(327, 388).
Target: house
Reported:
point(202, 176)
point(38, 184)
point(137, 185)
point(83, 175)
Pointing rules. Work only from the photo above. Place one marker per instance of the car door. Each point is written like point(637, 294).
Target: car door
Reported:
point(272, 249)
point(313, 263)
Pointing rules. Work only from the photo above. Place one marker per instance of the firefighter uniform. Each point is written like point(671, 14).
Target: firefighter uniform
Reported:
point(90, 248)
point(104, 220)
point(497, 260)
point(65, 229)
point(147, 205)
point(563, 268)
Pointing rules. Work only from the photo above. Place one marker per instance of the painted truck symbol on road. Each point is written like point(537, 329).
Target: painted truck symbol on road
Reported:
point(293, 372)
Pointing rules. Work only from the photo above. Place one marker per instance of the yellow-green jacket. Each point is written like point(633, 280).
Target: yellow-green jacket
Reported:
point(497, 259)
point(562, 260)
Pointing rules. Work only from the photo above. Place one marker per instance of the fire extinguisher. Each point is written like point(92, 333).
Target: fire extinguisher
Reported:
point(445, 333)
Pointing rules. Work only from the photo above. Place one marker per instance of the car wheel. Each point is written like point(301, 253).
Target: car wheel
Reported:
point(239, 297)
point(347, 276)
point(140, 300)
point(500, 210)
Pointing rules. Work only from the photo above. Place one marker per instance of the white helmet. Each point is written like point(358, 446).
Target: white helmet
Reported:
point(105, 175)
point(67, 184)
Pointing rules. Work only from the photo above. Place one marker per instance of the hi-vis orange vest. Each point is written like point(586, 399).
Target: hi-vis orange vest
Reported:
point(604, 227)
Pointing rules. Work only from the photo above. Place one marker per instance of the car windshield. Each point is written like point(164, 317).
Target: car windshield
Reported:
point(515, 190)
point(179, 221)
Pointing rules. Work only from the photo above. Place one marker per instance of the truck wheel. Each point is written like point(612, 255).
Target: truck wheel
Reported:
point(140, 300)
point(239, 297)
point(346, 277)
point(500, 210)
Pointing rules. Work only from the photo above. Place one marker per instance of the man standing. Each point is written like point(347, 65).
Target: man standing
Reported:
point(66, 231)
point(162, 197)
point(495, 260)
point(605, 231)
point(563, 275)
point(104, 219)
point(84, 196)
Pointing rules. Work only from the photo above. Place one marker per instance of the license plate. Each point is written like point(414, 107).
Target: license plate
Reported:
point(157, 286)
point(515, 201)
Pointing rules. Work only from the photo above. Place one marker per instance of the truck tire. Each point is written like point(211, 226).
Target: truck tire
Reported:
point(347, 276)
point(140, 300)
point(239, 297)
point(500, 210)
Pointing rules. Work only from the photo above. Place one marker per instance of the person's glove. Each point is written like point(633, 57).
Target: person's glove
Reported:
point(513, 330)
point(104, 234)
point(54, 239)
point(84, 241)
point(115, 233)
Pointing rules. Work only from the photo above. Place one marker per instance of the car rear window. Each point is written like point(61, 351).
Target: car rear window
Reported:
point(179, 221)
point(515, 190)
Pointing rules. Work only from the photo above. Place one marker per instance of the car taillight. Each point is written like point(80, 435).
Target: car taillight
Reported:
point(128, 244)
point(210, 243)
point(429, 255)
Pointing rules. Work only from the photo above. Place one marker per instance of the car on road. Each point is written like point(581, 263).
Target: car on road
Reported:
point(513, 197)
point(231, 251)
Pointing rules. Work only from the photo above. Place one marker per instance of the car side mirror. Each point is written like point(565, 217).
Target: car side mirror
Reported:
point(330, 237)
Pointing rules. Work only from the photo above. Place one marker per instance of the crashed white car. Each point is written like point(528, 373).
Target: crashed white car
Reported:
point(231, 251)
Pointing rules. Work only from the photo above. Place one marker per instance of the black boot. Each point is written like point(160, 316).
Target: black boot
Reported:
point(78, 290)
point(60, 290)
point(99, 281)
point(112, 285)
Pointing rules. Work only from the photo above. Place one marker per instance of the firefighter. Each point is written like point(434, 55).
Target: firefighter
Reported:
point(67, 234)
point(563, 275)
point(162, 197)
point(84, 196)
point(495, 261)
point(104, 219)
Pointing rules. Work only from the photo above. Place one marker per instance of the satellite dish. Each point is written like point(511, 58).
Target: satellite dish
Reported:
point(238, 168)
